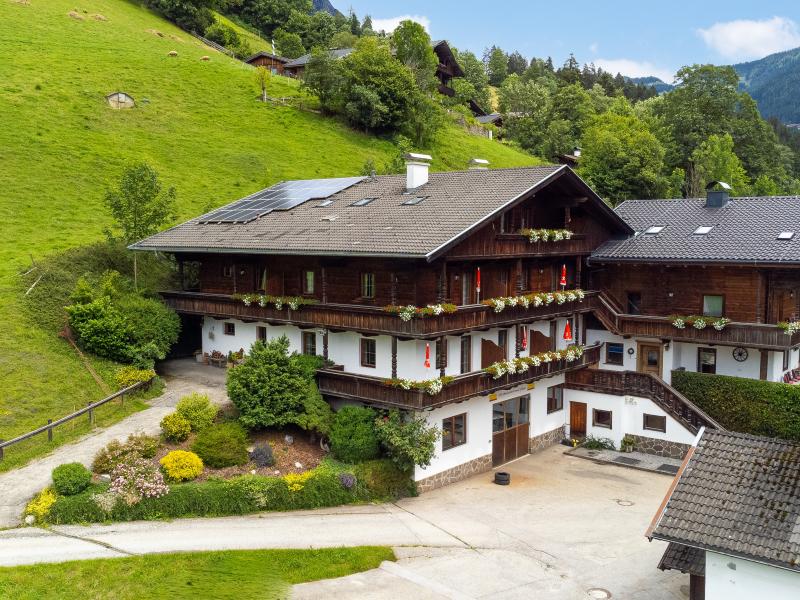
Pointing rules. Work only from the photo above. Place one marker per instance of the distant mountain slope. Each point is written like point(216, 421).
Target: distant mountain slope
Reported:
point(774, 82)
point(326, 6)
point(655, 82)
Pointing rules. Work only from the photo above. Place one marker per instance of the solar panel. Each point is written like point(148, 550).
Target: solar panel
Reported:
point(285, 195)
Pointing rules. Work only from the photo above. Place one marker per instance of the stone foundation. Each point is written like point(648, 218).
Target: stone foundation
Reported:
point(547, 439)
point(468, 469)
point(664, 448)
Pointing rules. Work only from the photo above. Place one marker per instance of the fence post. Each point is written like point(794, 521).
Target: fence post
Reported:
point(91, 414)
point(49, 431)
point(1, 450)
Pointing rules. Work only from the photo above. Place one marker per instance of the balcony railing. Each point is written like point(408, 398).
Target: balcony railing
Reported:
point(752, 335)
point(373, 390)
point(517, 245)
point(373, 319)
point(645, 385)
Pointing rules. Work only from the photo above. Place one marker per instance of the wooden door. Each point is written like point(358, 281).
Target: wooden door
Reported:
point(577, 419)
point(649, 359)
point(510, 429)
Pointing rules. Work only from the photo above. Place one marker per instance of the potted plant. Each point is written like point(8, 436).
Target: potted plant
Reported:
point(627, 444)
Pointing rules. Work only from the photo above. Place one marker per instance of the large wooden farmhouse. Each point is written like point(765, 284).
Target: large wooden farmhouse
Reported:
point(510, 307)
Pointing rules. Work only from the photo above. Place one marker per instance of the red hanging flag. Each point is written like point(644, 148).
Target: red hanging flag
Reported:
point(524, 340)
point(478, 280)
point(568, 332)
point(427, 355)
point(563, 281)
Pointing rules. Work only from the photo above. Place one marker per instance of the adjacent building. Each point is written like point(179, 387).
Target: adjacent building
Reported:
point(731, 518)
point(500, 304)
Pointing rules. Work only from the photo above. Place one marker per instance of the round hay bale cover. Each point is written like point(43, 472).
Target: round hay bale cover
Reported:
point(120, 100)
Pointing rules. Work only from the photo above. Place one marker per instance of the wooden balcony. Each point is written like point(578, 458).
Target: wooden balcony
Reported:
point(514, 245)
point(751, 335)
point(373, 390)
point(373, 319)
point(644, 385)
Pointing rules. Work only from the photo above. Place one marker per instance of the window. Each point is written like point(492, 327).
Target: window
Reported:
point(414, 201)
point(502, 341)
point(706, 360)
point(601, 418)
point(525, 278)
point(229, 329)
point(510, 413)
point(441, 354)
point(362, 202)
point(713, 305)
point(655, 423)
point(503, 223)
point(368, 352)
point(309, 343)
point(454, 431)
point(703, 229)
point(786, 235)
point(555, 398)
point(614, 353)
point(466, 354)
point(308, 282)
point(261, 333)
point(324, 203)
point(263, 278)
point(368, 285)
point(634, 303)
point(227, 271)
point(466, 288)
point(786, 355)
point(655, 229)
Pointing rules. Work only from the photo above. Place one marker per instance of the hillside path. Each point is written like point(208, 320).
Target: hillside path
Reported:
point(181, 376)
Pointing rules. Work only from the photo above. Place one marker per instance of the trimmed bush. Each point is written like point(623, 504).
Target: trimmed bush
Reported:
point(744, 405)
point(180, 465)
point(71, 478)
point(128, 376)
point(223, 445)
point(175, 427)
point(107, 458)
point(353, 435)
point(385, 480)
point(262, 455)
point(198, 410)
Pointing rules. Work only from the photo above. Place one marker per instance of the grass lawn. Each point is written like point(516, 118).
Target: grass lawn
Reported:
point(198, 122)
point(235, 574)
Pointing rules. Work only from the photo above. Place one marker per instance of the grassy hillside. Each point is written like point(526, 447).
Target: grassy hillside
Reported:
point(255, 42)
point(198, 122)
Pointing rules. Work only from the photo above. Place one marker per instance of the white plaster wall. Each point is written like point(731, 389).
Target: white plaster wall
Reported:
point(627, 417)
point(594, 336)
point(541, 422)
point(214, 337)
point(344, 348)
point(686, 357)
point(730, 578)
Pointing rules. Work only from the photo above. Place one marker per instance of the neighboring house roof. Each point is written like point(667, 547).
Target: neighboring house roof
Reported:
point(444, 53)
point(738, 495)
point(492, 118)
point(455, 203)
point(745, 230)
point(265, 54)
point(685, 559)
point(302, 61)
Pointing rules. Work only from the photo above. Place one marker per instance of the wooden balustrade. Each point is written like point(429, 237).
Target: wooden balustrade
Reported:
point(372, 319)
point(644, 385)
point(373, 390)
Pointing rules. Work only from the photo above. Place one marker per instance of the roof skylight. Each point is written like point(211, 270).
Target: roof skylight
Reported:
point(324, 203)
point(786, 235)
point(362, 202)
point(414, 201)
point(654, 229)
point(703, 229)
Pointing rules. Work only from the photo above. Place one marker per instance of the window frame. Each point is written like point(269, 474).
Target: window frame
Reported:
point(229, 328)
point(466, 343)
point(262, 284)
point(662, 429)
point(309, 290)
point(628, 302)
point(552, 397)
point(363, 352)
point(259, 330)
point(228, 271)
point(367, 285)
point(700, 351)
point(440, 353)
point(453, 443)
point(304, 344)
point(703, 304)
point(502, 342)
point(596, 423)
point(621, 353)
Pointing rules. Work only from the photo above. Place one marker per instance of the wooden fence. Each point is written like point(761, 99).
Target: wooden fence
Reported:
point(88, 409)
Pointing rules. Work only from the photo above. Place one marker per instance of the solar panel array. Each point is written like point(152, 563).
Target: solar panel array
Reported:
point(282, 196)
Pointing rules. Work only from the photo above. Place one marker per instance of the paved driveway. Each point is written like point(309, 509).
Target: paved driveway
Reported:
point(565, 528)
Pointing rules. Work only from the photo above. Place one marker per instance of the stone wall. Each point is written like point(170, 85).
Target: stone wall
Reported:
point(468, 469)
point(547, 439)
point(664, 448)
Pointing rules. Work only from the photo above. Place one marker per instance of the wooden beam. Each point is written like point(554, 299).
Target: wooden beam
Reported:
point(394, 357)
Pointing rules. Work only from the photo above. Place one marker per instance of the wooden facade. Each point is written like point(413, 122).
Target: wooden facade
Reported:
point(275, 64)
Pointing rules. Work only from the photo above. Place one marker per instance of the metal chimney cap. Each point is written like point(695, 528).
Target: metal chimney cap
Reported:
point(722, 184)
point(418, 157)
point(478, 162)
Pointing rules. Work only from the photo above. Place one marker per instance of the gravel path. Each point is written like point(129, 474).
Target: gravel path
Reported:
point(181, 376)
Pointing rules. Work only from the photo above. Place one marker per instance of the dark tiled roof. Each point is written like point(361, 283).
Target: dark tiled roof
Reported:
point(302, 61)
point(492, 118)
point(738, 495)
point(685, 559)
point(268, 55)
point(454, 202)
point(744, 231)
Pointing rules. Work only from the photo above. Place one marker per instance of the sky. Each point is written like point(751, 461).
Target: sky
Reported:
point(635, 38)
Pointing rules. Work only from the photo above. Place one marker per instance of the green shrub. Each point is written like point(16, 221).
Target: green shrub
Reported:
point(744, 405)
point(223, 445)
point(198, 410)
point(262, 455)
point(353, 436)
point(175, 427)
point(71, 478)
point(384, 480)
point(180, 465)
point(115, 452)
point(596, 443)
point(406, 439)
point(128, 376)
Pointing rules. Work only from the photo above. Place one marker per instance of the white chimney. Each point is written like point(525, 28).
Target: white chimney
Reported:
point(416, 169)
point(478, 164)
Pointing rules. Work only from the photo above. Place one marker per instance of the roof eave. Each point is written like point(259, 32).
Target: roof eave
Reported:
point(267, 251)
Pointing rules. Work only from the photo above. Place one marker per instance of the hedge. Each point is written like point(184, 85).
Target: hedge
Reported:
point(323, 487)
point(744, 405)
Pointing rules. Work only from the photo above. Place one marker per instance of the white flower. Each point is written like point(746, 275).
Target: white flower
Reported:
point(537, 300)
point(406, 384)
point(536, 361)
point(524, 301)
point(523, 366)
point(567, 234)
point(580, 294)
point(571, 296)
point(533, 235)
point(247, 301)
point(560, 297)
point(293, 304)
point(407, 312)
point(720, 323)
point(558, 236)
point(679, 323)
point(499, 304)
point(434, 386)
point(699, 324)
point(570, 355)
point(511, 301)
point(279, 303)
point(546, 357)
point(549, 298)
point(437, 309)
point(262, 301)
point(545, 235)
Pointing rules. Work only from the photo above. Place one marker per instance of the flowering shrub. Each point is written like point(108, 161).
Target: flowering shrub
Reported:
point(524, 363)
point(699, 322)
point(536, 299)
point(175, 427)
point(105, 501)
point(198, 410)
point(128, 376)
point(546, 235)
point(264, 300)
point(789, 327)
point(180, 465)
point(138, 443)
point(136, 478)
point(408, 312)
point(297, 481)
point(431, 386)
point(347, 480)
point(40, 506)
